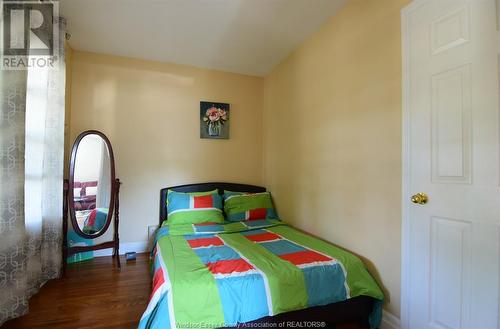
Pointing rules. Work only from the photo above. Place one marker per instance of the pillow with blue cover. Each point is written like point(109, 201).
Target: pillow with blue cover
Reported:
point(194, 208)
point(248, 206)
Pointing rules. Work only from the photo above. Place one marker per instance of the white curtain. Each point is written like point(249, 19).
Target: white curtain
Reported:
point(104, 185)
point(31, 177)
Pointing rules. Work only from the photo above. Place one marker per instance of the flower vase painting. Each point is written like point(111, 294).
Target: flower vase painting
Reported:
point(214, 120)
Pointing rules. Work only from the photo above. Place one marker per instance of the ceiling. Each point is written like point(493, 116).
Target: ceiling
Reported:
point(241, 36)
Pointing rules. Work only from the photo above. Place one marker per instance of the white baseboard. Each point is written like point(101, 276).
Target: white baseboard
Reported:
point(125, 247)
point(389, 321)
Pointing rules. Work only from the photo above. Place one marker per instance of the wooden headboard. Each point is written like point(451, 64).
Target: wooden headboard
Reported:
point(204, 187)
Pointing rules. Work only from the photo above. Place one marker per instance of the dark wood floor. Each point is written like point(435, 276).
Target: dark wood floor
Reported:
point(94, 294)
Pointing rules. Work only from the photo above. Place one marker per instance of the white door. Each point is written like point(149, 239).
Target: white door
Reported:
point(451, 249)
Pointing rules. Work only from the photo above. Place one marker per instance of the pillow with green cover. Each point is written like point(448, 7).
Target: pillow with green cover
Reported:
point(194, 208)
point(248, 206)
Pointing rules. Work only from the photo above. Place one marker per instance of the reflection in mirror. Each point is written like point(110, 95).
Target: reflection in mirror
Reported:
point(92, 184)
point(91, 195)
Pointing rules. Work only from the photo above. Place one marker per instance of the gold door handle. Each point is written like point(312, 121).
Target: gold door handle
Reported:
point(420, 198)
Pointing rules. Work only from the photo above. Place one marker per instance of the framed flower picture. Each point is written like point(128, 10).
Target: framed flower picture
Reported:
point(214, 120)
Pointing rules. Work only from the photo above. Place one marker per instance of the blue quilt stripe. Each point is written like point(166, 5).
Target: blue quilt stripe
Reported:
point(157, 265)
point(162, 231)
point(216, 253)
point(282, 247)
point(217, 201)
point(208, 228)
point(318, 278)
point(236, 217)
point(253, 232)
point(180, 201)
point(159, 317)
point(271, 213)
point(195, 236)
point(256, 223)
point(242, 298)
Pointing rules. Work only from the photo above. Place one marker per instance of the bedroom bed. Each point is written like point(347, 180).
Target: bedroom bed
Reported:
point(255, 272)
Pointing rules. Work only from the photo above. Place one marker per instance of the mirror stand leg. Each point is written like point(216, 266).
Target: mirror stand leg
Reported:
point(118, 258)
point(117, 220)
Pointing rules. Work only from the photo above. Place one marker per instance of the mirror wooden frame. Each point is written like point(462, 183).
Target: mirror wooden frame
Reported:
point(71, 204)
point(68, 206)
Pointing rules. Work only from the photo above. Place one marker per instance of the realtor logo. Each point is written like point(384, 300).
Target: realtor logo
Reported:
point(30, 34)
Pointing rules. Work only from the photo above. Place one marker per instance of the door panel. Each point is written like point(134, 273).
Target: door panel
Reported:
point(450, 30)
point(451, 125)
point(450, 271)
point(453, 249)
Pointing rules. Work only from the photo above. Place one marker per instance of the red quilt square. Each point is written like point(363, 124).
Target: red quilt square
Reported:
point(305, 257)
point(205, 242)
point(158, 280)
point(204, 201)
point(229, 266)
point(206, 224)
point(261, 237)
point(259, 213)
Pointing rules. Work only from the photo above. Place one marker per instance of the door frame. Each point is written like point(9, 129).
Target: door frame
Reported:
point(406, 165)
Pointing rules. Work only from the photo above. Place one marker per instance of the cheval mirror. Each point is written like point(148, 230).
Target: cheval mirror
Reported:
point(91, 196)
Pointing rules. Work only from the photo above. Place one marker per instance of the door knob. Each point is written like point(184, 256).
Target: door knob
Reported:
point(420, 198)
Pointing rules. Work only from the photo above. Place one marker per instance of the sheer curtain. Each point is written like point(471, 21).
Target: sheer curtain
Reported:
point(104, 186)
point(31, 177)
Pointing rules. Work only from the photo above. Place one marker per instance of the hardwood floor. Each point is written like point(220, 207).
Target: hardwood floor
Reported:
point(94, 294)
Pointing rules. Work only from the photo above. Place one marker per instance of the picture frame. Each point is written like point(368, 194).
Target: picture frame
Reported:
point(214, 120)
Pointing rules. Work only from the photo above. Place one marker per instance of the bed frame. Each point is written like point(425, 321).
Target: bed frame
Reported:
point(204, 187)
point(354, 310)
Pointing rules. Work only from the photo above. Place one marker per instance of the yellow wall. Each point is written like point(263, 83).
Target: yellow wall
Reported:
point(332, 136)
point(150, 113)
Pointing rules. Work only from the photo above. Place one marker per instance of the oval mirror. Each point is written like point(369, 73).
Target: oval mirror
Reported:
point(91, 187)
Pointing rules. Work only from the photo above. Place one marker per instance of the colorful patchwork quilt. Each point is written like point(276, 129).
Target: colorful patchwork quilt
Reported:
point(212, 275)
point(95, 221)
